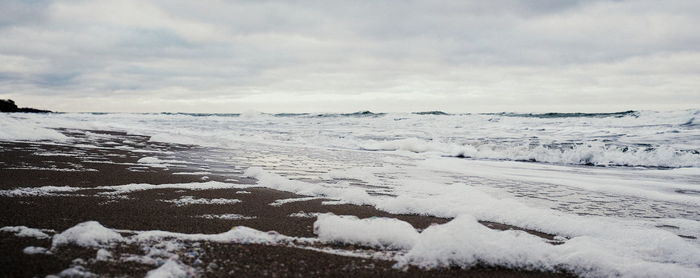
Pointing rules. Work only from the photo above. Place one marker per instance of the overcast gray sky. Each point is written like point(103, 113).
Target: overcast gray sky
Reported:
point(313, 56)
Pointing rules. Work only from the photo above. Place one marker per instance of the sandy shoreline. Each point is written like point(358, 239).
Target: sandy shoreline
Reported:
point(104, 161)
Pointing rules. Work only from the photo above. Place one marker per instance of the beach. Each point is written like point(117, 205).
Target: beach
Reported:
point(178, 139)
point(162, 195)
point(96, 165)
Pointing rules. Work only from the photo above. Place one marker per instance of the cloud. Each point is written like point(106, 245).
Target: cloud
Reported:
point(13, 13)
point(294, 56)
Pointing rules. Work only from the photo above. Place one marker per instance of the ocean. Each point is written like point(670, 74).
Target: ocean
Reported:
point(620, 190)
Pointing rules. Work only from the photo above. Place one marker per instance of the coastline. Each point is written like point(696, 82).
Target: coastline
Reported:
point(100, 163)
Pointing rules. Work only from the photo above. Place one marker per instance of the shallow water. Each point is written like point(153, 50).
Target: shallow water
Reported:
point(620, 177)
point(642, 150)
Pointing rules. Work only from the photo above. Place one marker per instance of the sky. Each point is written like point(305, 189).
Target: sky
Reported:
point(341, 56)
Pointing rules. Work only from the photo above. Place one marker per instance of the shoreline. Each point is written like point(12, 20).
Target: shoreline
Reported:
point(97, 162)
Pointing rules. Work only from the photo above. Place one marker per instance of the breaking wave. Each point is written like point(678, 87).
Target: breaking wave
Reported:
point(629, 113)
point(629, 138)
point(431, 113)
point(590, 154)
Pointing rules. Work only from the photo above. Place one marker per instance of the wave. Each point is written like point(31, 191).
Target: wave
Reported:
point(653, 139)
point(202, 114)
point(354, 114)
point(688, 118)
point(290, 114)
point(630, 113)
point(437, 112)
point(690, 122)
point(589, 153)
point(321, 115)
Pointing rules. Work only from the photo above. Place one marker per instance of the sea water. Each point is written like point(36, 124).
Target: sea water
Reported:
point(621, 187)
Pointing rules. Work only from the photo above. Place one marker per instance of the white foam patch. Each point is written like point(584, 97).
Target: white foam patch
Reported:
point(74, 271)
point(409, 144)
point(15, 127)
point(461, 242)
point(86, 234)
point(350, 194)
point(190, 200)
point(153, 162)
point(53, 169)
point(37, 191)
point(149, 160)
point(103, 255)
point(192, 173)
point(617, 240)
point(302, 214)
point(171, 269)
point(34, 250)
point(334, 203)
point(118, 189)
point(23, 231)
point(464, 242)
point(281, 202)
point(238, 234)
point(129, 188)
point(373, 232)
point(230, 216)
point(55, 154)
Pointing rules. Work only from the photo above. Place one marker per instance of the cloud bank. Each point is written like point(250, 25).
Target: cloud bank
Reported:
point(312, 56)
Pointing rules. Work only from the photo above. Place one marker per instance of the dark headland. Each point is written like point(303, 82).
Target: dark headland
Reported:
point(8, 105)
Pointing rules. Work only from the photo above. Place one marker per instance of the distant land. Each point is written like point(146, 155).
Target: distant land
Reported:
point(8, 105)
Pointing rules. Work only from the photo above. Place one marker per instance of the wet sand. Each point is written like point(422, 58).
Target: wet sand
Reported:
point(112, 160)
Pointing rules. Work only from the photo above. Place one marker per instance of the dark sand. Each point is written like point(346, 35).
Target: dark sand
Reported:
point(143, 211)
